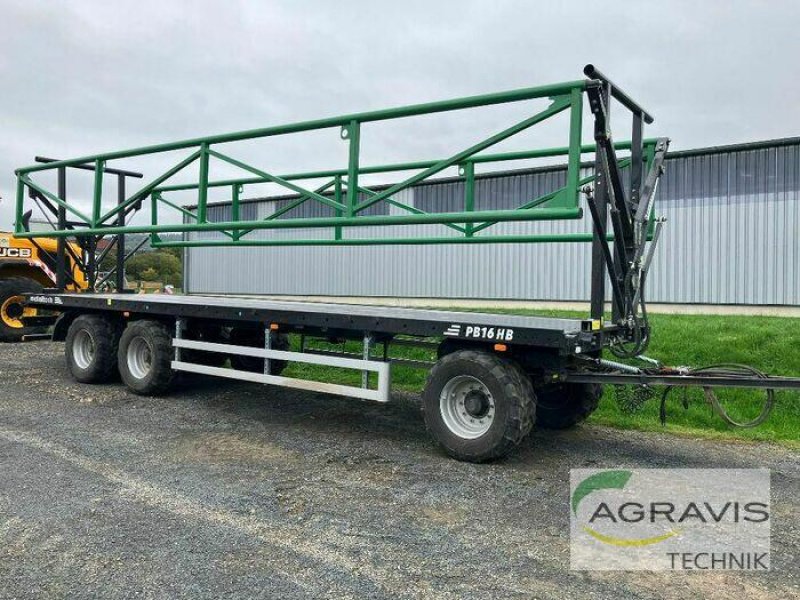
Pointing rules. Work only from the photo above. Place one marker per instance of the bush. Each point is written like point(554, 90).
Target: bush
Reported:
point(149, 274)
point(155, 266)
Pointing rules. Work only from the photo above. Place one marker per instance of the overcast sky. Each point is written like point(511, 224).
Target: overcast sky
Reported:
point(81, 77)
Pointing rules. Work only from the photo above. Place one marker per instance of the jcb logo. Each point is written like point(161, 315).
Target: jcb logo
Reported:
point(15, 253)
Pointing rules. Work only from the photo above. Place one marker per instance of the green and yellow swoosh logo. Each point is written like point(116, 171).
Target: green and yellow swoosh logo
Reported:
point(627, 543)
point(604, 480)
point(615, 480)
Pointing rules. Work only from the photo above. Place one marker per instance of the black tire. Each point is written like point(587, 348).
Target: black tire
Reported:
point(564, 405)
point(242, 336)
point(90, 349)
point(509, 406)
point(206, 333)
point(145, 357)
point(11, 328)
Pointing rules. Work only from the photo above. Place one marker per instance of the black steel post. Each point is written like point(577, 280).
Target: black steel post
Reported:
point(120, 274)
point(598, 292)
point(61, 248)
point(592, 73)
point(616, 291)
point(637, 159)
point(91, 262)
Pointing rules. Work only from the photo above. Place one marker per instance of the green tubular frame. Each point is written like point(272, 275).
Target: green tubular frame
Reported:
point(340, 190)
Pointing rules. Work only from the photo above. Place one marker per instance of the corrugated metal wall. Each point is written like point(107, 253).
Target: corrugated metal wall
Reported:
point(732, 237)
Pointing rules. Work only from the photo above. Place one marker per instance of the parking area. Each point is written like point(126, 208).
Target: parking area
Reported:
point(227, 489)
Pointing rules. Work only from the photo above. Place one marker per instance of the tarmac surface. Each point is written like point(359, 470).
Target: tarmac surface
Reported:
point(236, 490)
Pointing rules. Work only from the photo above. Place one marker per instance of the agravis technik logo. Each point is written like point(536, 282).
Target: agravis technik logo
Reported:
point(657, 519)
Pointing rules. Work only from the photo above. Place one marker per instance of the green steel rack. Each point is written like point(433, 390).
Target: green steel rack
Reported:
point(344, 183)
point(628, 201)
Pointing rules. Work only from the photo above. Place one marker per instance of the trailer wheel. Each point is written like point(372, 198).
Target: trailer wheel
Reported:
point(243, 336)
point(12, 309)
point(206, 333)
point(145, 357)
point(564, 405)
point(91, 349)
point(477, 405)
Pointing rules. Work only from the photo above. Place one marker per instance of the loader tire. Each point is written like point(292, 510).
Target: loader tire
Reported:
point(11, 309)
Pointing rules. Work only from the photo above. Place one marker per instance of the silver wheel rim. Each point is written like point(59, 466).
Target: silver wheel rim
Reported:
point(140, 357)
point(467, 407)
point(83, 349)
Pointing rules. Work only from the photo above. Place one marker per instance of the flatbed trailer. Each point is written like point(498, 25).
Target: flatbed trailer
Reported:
point(377, 327)
point(562, 336)
point(495, 376)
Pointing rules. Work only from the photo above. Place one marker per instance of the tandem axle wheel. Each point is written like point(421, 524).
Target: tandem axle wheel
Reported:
point(478, 406)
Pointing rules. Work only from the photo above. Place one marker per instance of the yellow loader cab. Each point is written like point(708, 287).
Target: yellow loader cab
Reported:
point(27, 269)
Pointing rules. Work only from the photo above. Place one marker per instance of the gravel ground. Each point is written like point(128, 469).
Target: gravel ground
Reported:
point(236, 490)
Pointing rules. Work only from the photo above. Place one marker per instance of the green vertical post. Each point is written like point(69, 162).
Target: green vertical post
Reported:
point(97, 199)
point(202, 189)
point(571, 194)
point(353, 134)
point(468, 171)
point(236, 191)
point(337, 195)
point(649, 155)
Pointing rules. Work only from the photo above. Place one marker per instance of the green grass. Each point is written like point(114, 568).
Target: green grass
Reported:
point(771, 344)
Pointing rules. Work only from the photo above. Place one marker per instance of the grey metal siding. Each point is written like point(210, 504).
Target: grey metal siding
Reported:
point(731, 238)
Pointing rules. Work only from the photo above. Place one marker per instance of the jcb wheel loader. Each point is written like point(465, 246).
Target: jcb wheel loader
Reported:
point(28, 267)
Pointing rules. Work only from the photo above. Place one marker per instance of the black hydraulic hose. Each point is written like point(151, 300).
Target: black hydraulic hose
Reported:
point(726, 370)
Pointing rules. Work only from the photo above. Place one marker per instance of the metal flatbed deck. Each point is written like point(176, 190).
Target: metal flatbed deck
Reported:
point(562, 334)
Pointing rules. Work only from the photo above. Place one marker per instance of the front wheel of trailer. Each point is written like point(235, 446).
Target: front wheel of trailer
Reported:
point(477, 405)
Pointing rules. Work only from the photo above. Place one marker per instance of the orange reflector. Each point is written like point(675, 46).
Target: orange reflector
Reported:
point(273, 326)
point(500, 347)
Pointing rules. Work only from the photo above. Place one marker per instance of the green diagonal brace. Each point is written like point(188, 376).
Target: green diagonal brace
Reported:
point(287, 208)
point(411, 209)
point(52, 197)
point(183, 211)
point(279, 180)
point(152, 185)
point(547, 197)
point(559, 104)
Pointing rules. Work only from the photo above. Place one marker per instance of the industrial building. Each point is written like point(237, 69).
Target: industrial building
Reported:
point(731, 238)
